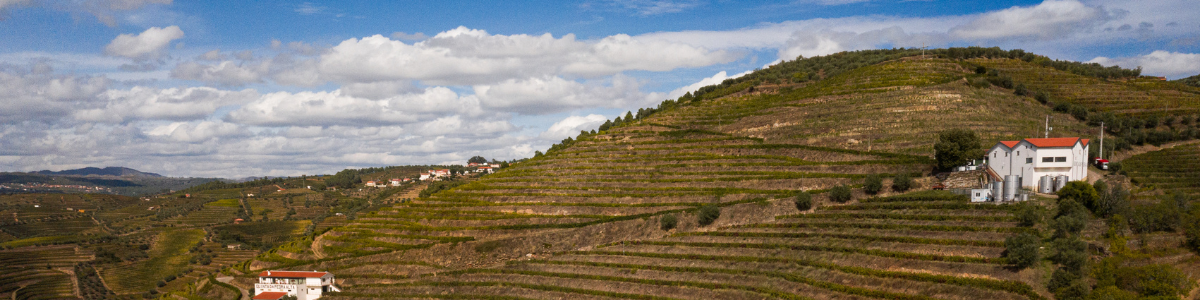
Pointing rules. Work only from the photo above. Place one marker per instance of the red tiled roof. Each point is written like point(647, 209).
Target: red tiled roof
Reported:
point(292, 274)
point(1054, 142)
point(1085, 142)
point(1009, 144)
point(270, 295)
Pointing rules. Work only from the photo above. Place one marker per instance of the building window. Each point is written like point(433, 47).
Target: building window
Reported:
point(1060, 159)
point(1029, 160)
point(1047, 159)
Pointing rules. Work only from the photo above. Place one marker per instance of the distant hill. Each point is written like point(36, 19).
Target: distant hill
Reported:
point(1192, 81)
point(108, 171)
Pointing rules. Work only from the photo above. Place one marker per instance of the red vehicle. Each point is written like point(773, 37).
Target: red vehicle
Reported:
point(1101, 163)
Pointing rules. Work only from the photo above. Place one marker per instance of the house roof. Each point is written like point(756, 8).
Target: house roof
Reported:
point(1048, 142)
point(270, 295)
point(1055, 142)
point(292, 274)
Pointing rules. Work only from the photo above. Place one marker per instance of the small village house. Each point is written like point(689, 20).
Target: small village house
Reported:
point(1033, 158)
point(395, 181)
point(371, 183)
point(424, 176)
point(304, 285)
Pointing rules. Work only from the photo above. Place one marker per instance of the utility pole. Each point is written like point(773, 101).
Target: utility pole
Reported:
point(1047, 126)
point(1101, 140)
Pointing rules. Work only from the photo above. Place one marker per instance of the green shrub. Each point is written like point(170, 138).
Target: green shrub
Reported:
point(1028, 216)
point(668, 222)
point(873, 184)
point(840, 194)
point(1071, 253)
point(1081, 192)
point(1042, 97)
point(1022, 250)
point(1021, 90)
point(902, 183)
point(804, 201)
point(708, 214)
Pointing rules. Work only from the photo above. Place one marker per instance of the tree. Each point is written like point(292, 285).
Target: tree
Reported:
point(708, 214)
point(873, 184)
point(955, 147)
point(804, 201)
point(1022, 250)
point(902, 183)
point(1028, 216)
point(1081, 192)
point(840, 194)
point(477, 159)
point(668, 222)
point(628, 116)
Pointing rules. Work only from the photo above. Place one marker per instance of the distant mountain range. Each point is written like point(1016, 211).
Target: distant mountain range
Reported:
point(108, 171)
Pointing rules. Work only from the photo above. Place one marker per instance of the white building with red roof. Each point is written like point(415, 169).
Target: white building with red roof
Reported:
point(395, 181)
point(304, 285)
point(371, 183)
point(1033, 158)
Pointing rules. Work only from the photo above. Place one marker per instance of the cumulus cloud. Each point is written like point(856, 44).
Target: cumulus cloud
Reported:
point(147, 45)
point(1048, 20)
point(145, 103)
point(192, 132)
point(336, 108)
point(468, 56)
point(715, 79)
point(34, 93)
point(227, 73)
point(1164, 63)
point(408, 36)
point(542, 95)
point(103, 10)
point(214, 55)
point(571, 126)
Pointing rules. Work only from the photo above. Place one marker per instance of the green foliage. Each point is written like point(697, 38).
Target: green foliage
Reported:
point(840, 194)
point(955, 147)
point(1113, 201)
point(1155, 281)
point(1022, 250)
point(1193, 80)
point(668, 222)
point(708, 214)
point(1111, 293)
point(1081, 192)
point(902, 182)
point(1161, 216)
point(1071, 253)
point(803, 201)
point(873, 184)
point(477, 159)
point(1028, 215)
point(438, 186)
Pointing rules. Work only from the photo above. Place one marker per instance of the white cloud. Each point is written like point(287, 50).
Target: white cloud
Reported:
point(542, 95)
point(571, 126)
point(147, 45)
point(226, 73)
point(307, 8)
point(378, 90)
point(468, 56)
point(715, 79)
point(144, 103)
point(1049, 20)
point(408, 37)
point(192, 132)
point(335, 108)
point(647, 7)
point(1162, 63)
point(36, 94)
point(214, 55)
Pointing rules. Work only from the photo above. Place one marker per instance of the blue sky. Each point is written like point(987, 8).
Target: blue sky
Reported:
point(254, 88)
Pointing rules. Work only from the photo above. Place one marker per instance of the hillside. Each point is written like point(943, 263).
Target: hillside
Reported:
point(108, 171)
point(584, 219)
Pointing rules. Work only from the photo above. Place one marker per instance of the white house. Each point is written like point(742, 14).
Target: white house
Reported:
point(371, 183)
point(1033, 158)
point(305, 285)
point(395, 181)
point(484, 169)
point(424, 176)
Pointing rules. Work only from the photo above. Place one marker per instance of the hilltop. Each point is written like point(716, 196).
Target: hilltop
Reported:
point(107, 171)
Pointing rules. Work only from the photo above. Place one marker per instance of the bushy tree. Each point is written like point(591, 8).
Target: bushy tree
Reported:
point(804, 201)
point(1081, 192)
point(1028, 215)
point(708, 214)
point(902, 183)
point(668, 222)
point(955, 147)
point(477, 159)
point(840, 194)
point(1071, 253)
point(873, 184)
point(1022, 250)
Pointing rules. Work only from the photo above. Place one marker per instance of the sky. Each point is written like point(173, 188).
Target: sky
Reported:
point(233, 89)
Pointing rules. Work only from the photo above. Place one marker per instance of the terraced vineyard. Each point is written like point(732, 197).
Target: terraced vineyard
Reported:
point(1171, 169)
point(1137, 97)
point(922, 247)
point(39, 272)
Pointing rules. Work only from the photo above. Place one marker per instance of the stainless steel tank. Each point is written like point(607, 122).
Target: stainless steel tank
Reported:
point(1011, 183)
point(1046, 185)
point(1061, 182)
point(997, 189)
